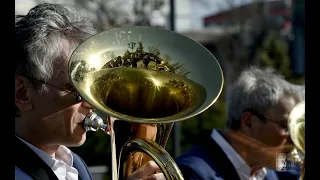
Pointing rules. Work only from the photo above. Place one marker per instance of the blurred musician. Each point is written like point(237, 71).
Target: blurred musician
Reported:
point(259, 103)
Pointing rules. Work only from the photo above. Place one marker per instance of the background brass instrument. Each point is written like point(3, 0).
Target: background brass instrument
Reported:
point(142, 80)
point(297, 133)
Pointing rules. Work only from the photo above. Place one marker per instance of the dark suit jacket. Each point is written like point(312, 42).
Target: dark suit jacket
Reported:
point(29, 162)
point(207, 161)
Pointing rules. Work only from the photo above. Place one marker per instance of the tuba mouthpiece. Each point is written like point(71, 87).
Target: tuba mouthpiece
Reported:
point(93, 122)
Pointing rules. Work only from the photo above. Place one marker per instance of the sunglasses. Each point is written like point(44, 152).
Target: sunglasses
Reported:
point(265, 119)
point(77, 96)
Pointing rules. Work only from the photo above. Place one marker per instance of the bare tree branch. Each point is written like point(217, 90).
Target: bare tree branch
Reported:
point(113, 13)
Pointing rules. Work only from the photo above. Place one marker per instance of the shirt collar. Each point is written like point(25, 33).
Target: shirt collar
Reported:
point(239, 164)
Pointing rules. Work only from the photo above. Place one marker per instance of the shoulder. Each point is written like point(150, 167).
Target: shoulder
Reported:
point(20, 175)
point(192, 172)
point(196, 155)
point(196, 164)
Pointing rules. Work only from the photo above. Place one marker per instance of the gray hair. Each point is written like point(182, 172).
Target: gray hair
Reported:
point(255, 89)
point(300, 91)
point(39, 38)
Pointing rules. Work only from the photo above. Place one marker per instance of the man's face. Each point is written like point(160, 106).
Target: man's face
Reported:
point(55, 117)
point(274, 130)
point(265, 139)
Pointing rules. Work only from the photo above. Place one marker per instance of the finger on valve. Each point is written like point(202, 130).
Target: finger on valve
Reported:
point(149, 171)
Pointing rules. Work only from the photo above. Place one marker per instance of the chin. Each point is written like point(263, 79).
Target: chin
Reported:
point(78, 141)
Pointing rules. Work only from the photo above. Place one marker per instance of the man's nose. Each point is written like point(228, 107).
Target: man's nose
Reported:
point(87, 105)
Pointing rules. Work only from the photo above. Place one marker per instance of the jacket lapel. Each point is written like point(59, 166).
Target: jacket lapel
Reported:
point(219, 158)
point(29, 162)
point(82, 168)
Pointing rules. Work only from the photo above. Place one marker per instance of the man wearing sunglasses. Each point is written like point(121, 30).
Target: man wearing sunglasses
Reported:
point(49, 112)
point(258, 106)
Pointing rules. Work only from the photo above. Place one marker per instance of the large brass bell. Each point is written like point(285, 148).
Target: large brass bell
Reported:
point(145, 78)
point(296, 126)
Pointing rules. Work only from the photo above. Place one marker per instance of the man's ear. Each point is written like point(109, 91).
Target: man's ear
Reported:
point(245, 122)
point(22, 94)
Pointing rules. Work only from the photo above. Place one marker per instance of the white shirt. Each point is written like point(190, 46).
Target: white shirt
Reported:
point(242, 168)
point(61, 165)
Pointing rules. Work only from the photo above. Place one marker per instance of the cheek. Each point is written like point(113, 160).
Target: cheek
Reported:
point(277, 136)
point(264, 133)
point(49, 104)
point(71, 118)
point(259, 129)
point(63, 121)
point(279, 133)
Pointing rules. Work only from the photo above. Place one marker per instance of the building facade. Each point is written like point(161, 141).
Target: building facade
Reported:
point(277, 12)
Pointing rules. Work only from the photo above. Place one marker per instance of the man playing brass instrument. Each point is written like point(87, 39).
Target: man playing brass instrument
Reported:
point(49, 112)
point(259, 103)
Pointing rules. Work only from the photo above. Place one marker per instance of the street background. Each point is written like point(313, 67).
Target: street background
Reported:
point(266, 33)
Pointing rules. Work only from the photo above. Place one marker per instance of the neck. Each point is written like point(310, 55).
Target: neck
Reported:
point(49, 149)
point(244, 148)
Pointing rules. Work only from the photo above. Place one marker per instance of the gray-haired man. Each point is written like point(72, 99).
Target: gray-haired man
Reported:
point(49, 112)
point(258, 105)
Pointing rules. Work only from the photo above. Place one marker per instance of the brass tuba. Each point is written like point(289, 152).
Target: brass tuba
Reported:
point(142, 80)
point(297, 133)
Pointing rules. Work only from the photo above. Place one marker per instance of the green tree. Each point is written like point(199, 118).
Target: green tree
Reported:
point(273, 52)
point(213, 117)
